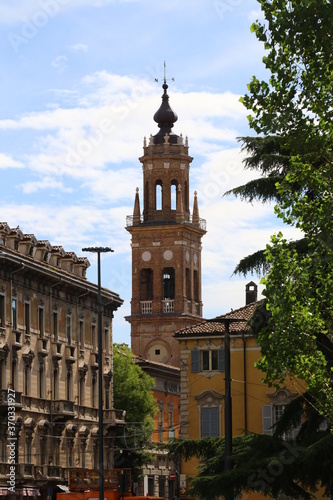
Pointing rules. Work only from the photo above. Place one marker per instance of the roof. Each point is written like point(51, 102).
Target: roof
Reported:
point(216, 326)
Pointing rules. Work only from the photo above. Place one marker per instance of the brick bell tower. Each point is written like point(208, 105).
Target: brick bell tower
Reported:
point(166, 245)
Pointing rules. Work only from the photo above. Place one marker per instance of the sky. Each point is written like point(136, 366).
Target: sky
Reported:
point(78, 93)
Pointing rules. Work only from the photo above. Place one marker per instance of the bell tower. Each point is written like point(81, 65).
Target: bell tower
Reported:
point(166, 245)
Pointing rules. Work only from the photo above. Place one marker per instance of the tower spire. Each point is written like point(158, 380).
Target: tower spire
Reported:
point(165, 117)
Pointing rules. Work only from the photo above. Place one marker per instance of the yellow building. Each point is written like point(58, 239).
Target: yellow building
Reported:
point(255, 406)
point(48, 365)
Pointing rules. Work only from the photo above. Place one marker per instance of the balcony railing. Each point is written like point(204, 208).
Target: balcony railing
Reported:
point(15, 397)
point(168, 306)
point(146, 306)
point(114, 417)
point(134, 220)
point(63, 408)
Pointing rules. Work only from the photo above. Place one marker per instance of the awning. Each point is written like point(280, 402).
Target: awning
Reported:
point(26, 492)
point(63, 487)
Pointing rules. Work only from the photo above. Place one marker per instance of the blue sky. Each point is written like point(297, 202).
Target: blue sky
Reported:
point(78, 95)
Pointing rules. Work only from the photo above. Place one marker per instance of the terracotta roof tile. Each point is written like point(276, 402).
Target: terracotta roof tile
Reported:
point(216, 326)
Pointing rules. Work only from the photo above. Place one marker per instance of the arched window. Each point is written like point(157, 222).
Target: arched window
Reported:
point(158, 195)
point(173, 195)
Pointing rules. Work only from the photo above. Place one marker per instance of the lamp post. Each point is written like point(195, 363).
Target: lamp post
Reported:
point(228, 400)
point(100, 250)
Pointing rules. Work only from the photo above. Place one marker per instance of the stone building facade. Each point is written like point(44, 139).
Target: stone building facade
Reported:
point(48, 365)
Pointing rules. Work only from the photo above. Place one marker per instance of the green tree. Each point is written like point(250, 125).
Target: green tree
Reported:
point(268, 464)
point(133, 392)
point(293, 113)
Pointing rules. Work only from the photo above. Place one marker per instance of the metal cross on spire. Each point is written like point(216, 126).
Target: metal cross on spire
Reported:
point(164, 77)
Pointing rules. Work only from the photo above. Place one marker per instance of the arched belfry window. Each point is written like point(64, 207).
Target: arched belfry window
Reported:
point(174, 185)
point(158, 195)
point(168, 283)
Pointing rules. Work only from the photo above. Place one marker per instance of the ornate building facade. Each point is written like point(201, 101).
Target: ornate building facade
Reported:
point(48, 365)
point(166, 245)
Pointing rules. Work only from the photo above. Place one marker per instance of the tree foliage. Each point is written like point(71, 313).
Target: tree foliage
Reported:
point(268, 464)
point(292, 113)
point(133, 392)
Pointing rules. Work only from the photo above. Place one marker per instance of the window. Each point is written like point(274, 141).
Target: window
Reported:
point(14, 314)
point(56, 382)
point(196, 286)
point(271, 414)
point(146, 284)
point(81, 333)
point(158, 195)
point(173, 195)
point(106, 339)
point(210, 422)
point(55, 325)
point(28, 450)
point(150, 485)
point(69, 384)
point(2, 311)
point(161, 486)
point(168, 283)
point(41, 321)
point(207, 360)
point(188, 284)
point(26, 378)
point(69, 329)
point(93, 336)
point(93, 390)
point(41, 381)
point(160, 425)
point(27, 318)
point(82, 387)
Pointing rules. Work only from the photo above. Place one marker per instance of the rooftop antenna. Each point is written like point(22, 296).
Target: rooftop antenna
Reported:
point(165, 78)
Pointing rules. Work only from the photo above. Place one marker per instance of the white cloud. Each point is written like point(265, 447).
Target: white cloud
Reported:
point(79, 47)
point(60, 62)
point(7, 161)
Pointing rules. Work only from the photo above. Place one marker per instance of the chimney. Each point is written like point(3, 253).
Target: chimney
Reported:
point(251, 293)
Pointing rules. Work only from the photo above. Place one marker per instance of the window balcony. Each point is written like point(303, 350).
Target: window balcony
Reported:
point(42, 347)
point(70, 353)
point(168, 306)
point(17, 340)
point(146, 306)
point(56, 350)
point(63, 408)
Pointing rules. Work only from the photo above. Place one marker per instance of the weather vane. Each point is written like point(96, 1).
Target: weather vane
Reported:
point(165, 78)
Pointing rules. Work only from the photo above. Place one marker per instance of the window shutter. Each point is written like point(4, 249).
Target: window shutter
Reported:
point(221, 361)
point(210, 422)
point(195, 361)
point(267, 419)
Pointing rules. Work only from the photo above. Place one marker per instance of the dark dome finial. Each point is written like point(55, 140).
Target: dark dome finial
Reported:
point(165, 117)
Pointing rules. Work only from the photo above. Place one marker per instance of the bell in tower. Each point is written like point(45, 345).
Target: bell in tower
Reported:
point(166, 245)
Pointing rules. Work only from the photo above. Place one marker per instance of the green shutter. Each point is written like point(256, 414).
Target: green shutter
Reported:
point(221, 361)
point(267, 419)
point(195, 361)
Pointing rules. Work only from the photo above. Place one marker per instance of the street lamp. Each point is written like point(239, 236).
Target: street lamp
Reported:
point(228, 401)
point(100, 250)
